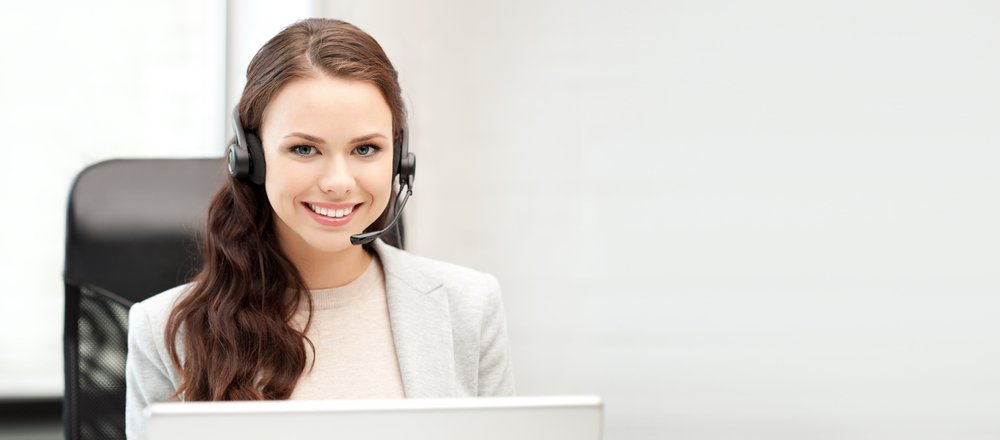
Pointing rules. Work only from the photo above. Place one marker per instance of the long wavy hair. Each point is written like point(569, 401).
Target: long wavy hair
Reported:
point(233, 328)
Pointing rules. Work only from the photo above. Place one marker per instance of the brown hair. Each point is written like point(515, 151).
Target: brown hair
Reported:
point(233, 327)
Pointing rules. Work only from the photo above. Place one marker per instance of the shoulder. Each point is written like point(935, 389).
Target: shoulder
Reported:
point(147, 321)
point(156, 309)
point(449, 273)
point(424, 273)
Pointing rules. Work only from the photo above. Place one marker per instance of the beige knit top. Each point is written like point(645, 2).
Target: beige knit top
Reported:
point(355, 353)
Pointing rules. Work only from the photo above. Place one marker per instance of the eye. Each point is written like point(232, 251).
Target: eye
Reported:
point(366, 150)
point(303, 150)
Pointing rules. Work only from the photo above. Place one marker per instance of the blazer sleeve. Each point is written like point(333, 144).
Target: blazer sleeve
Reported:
point(496, 374)
point(146, 377)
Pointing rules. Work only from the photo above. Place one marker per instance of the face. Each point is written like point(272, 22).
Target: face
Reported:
point(328, 147)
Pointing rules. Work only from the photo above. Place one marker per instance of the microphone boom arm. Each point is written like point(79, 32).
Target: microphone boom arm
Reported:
point(369, 237)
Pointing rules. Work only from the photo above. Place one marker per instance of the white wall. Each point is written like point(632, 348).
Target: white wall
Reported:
point(82, 82)
point(250, 24)
point(765, 219)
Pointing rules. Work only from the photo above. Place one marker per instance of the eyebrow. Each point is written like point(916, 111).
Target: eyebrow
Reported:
point(317, 140)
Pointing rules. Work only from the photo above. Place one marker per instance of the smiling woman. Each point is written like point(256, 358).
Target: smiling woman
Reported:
point(287, 305)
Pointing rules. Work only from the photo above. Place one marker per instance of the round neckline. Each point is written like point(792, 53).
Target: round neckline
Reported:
point(360, 287)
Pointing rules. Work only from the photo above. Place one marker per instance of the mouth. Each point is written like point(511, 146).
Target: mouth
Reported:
point(332, 214)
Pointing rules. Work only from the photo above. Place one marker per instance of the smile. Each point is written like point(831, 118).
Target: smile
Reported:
point(334, 213)
point(331, 215)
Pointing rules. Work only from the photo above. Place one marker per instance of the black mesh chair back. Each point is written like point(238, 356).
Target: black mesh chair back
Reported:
point(131, 232)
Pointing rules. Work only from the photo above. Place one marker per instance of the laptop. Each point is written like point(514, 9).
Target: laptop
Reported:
point(492, 418)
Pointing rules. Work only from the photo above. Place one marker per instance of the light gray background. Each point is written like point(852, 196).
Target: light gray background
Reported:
point(766, 219)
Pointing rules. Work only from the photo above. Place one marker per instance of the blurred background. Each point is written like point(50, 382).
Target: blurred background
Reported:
point(769, 219)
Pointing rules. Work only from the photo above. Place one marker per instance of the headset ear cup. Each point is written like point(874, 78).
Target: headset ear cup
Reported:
point(395, 160)
point(408, 170)
point(239, 161)
point(257, 166)
point(400, 150)
point(397, 152)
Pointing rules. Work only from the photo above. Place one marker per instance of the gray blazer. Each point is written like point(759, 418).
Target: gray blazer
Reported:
point(447, 323)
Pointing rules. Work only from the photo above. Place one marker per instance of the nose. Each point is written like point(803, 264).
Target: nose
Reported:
point(337, 178)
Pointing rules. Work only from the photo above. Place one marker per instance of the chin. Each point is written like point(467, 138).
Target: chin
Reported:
point(332, 245)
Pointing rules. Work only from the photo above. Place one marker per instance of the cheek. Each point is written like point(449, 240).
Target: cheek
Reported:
point(378, 180)
point(385, 177)
point(283, 184)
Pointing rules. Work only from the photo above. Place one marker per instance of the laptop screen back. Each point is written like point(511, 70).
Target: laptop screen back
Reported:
point(550, 418)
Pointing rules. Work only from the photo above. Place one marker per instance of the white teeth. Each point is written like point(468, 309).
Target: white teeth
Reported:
point(334, 213)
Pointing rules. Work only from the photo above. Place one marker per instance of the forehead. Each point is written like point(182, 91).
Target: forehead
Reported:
point(329, 107)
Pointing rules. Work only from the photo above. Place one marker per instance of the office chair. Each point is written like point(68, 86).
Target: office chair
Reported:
point(132, 231)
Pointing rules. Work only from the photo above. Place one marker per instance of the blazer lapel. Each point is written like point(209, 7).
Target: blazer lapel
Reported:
point(420, 317)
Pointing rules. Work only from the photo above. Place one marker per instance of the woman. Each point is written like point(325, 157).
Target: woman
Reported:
point(285, 306)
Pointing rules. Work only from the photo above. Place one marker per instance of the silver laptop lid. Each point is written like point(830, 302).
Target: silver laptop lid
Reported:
point(495, 418)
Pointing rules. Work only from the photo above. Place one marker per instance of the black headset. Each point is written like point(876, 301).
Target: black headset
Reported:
point(246, 157)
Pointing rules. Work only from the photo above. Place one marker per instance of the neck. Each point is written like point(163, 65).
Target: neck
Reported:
point(324, 270)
